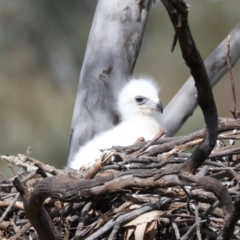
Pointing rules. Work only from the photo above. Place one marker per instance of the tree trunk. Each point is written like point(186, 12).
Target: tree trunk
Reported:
point(110, 57)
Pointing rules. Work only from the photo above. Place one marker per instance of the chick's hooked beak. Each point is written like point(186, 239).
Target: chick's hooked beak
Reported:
point(154, 105)
point(159, 106)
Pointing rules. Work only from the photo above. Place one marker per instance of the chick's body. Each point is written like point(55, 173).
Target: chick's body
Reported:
point(138, 106)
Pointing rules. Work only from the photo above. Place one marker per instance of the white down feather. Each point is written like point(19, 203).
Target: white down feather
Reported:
point(138, 119)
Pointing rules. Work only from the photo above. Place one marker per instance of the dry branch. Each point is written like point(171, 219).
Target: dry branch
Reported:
point(184, 103)
point(178, 12)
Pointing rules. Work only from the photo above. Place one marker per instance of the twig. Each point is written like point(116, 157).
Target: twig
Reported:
point(4, 226)
point(66, 210)
point(5, 179)
point(175, 228)
point(211, 208)
point(13, 169)
point(113, 235)
point(17, 204)
point(45, 167)
point(197, 221)
point(29, 176)
point(18, 161)
point(9, 207)
point(148, 144)
point(27, 155)
point(15, 228)
point(21, 231)
point(83, 218)
point(93, 170)
point(188, 201)
point(233, 109)
point(189, 233)
point(6, 185)
point(183, 147)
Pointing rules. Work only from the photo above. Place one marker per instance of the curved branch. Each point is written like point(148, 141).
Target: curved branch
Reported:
point(178, 12)
point(181, 107)
point(214, 186)
point(37, 214)
point(230, 221)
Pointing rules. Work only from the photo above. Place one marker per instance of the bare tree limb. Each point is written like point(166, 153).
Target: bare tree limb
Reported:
point(110, 57)
point(21, 231)
point(183, 104)
point(83, 218)
point(213, 185)
point(197, 221)
point(233, 109)
point(231, 221)
point(37, 214)
point(178, 12)
point(175, 228)
point(9, 207)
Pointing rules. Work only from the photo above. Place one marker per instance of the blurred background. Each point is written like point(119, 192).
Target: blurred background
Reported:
point(42, 45)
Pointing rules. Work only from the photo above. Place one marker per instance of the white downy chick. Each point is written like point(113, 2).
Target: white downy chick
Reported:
point(138, 105)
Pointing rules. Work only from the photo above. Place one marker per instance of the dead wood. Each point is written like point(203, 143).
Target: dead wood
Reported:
point(183, 104)
point(178, 12)
point(231, 220)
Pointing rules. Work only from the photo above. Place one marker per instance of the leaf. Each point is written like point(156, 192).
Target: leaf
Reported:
point(151, 230)
point(145, 218)
point(140, 231)
point(128, 233)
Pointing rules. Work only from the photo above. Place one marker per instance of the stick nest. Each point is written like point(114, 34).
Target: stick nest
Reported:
point(134, 196)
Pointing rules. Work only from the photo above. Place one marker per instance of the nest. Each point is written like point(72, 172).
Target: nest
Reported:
point(130, 197)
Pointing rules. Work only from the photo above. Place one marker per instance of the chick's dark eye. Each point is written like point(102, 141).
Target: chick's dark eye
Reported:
point(139, 100)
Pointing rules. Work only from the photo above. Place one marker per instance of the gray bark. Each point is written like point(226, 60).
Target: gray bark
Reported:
point(183, 104)
point(111, 53)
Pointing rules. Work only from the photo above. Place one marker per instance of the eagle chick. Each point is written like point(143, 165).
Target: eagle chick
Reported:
point(138, 106)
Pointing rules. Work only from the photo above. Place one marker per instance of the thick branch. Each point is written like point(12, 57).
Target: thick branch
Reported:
point(230, 221)
point(37, 214)
point(178, 12)
point(183, 104)
point(110, 57)
point(213, 185)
